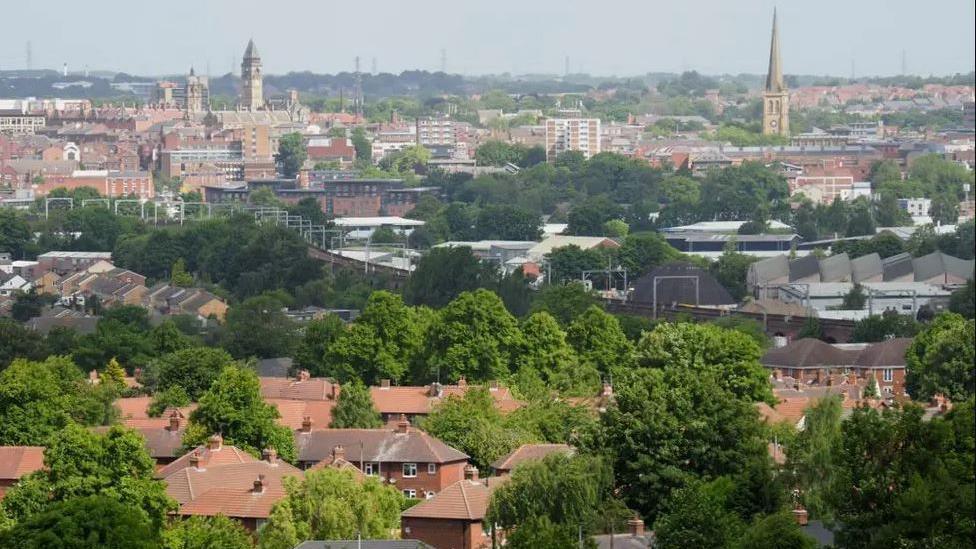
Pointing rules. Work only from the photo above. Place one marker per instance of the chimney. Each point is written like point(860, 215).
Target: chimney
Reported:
point(270, 455)
point(636, 526)
point(852, 377)
point(777, 374)
point(384, 384)
point(607, 390)
point(307, 424)
point(338, 453)
point(471, 473)
point(303, 375)
point(93, 377)
point(195, 460)
point(215, 442)
point(434, 390)
point(258, 485)
point(800, 515)
point(493, 385)
point(462, 383)
point(336, 389)
point(403, 426)
point(174, 421)
point(303, 180)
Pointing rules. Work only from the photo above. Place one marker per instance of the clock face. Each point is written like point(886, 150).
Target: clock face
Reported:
point(773, 123)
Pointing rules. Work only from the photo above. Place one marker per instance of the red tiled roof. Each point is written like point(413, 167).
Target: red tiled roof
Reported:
point(235, 503)
point(316, 388)
point(137, 408)
point(463, 500)
point(294, 412)
point(528, 452)
point(889, 353)
point(17, 461)
point(808, 353)
point(383, 445)
point(191, 485)
point(226, 455)
point(413, 400)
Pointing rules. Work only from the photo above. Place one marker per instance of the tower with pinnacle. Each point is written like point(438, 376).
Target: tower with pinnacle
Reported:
point(776, 98)
point(252, 95)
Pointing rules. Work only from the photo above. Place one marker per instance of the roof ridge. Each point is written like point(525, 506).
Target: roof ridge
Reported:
point(464, 498)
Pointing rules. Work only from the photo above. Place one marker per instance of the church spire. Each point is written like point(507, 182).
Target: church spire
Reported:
point(774, 78)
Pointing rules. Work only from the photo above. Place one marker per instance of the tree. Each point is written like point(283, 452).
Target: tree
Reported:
point(600, 342)
point(443, 274)
point(333, 504)
point(178, 275)
point(206, 533)
point(563, 301)
point(963, 301)
point(884, 326)
point(566, 490)
point(641, 252)
point(815, 454)
point(616, 228)
point(355, 409)
point(319, 336)
point(362, 144)
point(113, 377)
point(28, 305)
point(93, 522)
point(193, 369)
point(233, 407)
point(15, 232)
point(79, 463)
point(504, 222)
point(811, 328)
point(547, 355)
point(855, 299)
point(473, 425)
point(861, 221)
point(732, 356)
point(669, 426)
point(730, 271)
point(17, 341)
point(173, 397)
point(497, 153)
point(259, 315)
point(280, 531)
point(940, 359)
point(473, 336)
point(167, 338)
point(541, 533)
point(776, 531)
point(567, 263)
point(696, 516)
point(291, 154)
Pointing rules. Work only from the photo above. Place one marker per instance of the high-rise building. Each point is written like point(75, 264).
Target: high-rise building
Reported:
point(252, 95)
point(776, 98)
point(572, 134)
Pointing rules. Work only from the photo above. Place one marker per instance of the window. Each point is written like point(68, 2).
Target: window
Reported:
point(371, 469)
point(889, 374)
point(431, 468)
point(409, 470)
point(410, 493)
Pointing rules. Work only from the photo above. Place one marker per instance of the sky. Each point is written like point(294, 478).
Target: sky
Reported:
point(606, 37)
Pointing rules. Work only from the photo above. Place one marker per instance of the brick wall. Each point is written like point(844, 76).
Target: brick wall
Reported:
point(445, 533)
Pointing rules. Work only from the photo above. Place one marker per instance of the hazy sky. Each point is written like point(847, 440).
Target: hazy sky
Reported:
point(492, 36)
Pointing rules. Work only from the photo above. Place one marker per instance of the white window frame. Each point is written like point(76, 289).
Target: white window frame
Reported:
point(371, 469)
point(410, 493)
point(431, 468)
point(888, 374)
point(407, 466)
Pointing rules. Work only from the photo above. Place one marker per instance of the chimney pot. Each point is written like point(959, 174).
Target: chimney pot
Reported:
point(801, 516)
point(493, 385)
point(195, 460)
point(259, 485)
point(636, 526)
point(403, 425)
point(336, 390)
point(338, 453)
point(384, 383)
point(270, 455)
point(215, 442)
point(174, 421)
point(607, 389)
point(307, 424)
point(471, 472)
point(462, 382)
point(304, 375)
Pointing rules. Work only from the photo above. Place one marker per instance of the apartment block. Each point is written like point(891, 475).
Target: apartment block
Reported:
point(572, 134)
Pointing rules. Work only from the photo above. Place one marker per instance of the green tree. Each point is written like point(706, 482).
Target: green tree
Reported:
point(696, 516)
point(473, 336)
point(732, 356)
point(473, 425)
point(641, 252)
point(17, 341)
point(855, 299)
point(15, 232)
point(79, 463)
point(362, 144)
point(291, 154)
point(731, 269)
point(280, 531)
point(881, 327)
point(193, 369)
point(167, 338)
point(355, 409)
point(206, 533)
point(541, 533)
point(600, 342)
point(179, 276)
point(963, 301)
point(233, 407)
point(113, 378)
point(443, 274)
point(815, 455)
point(777, 531)
point(504, 222)
point(940, 359)
point(669, 426)
point(563, 301)
point(567, 490)
point(93, 522)
point(262, 315)
point(333, 504)
point(547, 354)
point(616, 228)
point(319, 336)
point(173, 397)
point(567, 263)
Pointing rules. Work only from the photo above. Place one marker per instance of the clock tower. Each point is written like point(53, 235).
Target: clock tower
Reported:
point(776, 98)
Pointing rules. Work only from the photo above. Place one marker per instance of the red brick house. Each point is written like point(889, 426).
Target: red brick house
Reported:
point(413, 401)
point(528, 452)
point(17, 462)
point(418, 464)
point(453, 519)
